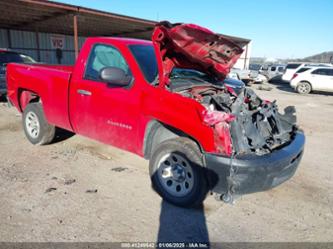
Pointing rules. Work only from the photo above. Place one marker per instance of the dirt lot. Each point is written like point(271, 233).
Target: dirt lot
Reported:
point(43, 191)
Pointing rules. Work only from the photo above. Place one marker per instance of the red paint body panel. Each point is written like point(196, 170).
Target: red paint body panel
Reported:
point(49, 82)
point(116, 116)
point(194, 47)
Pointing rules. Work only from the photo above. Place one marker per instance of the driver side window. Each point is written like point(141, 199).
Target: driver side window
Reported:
point(102, 56)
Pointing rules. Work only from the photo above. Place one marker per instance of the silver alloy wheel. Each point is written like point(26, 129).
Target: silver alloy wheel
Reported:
point(175, 174)
point(32, 124)
point(304, 88)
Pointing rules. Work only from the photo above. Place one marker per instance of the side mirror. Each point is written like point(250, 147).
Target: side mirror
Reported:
point(114, 76)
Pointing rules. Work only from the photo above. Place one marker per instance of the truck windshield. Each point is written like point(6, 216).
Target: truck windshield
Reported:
point(146, 58)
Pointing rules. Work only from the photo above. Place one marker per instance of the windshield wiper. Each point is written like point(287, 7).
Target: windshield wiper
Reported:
point(190, 78)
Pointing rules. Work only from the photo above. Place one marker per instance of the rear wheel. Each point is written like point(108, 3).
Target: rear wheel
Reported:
point(303, 87)
point(36, 128)
point(177, 172)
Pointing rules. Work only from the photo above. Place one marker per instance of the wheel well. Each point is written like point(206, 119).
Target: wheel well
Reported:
point(158, 132)
point(26, 97)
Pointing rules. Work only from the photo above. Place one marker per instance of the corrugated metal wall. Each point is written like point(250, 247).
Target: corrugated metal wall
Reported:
point(3, 38)
point(25, 42)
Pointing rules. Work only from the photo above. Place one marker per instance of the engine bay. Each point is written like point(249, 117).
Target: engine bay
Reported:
point(256, 127)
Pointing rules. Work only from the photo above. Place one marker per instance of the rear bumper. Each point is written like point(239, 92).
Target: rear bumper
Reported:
point(251, 174)
point(286, 78)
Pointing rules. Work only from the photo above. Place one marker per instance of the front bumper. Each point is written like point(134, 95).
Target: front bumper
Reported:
point(249, 174)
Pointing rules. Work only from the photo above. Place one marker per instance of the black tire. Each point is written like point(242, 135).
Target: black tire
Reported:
point(46, 132)
point(183, 148)
point(304, 87)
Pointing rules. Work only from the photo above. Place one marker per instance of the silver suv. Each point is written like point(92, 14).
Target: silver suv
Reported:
point(272, 71)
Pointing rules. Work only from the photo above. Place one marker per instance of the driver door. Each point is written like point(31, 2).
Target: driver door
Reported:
point(99, 110)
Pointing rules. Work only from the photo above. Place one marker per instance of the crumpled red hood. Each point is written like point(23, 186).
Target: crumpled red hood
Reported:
point(194, 47)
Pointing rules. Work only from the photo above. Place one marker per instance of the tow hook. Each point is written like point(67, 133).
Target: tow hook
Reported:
point(226, 198)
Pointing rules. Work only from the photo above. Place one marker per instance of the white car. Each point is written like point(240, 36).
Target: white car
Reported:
point(293, 67)
point(243, 74)
point(313, 79)
point(233, 75)
point(260, 78)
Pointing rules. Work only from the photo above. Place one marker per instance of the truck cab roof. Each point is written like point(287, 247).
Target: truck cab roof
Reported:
point(126, 41)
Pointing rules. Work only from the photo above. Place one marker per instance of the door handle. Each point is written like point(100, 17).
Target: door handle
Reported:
point(83, 92)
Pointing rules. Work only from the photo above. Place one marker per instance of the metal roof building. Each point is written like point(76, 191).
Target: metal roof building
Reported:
point(38, 28)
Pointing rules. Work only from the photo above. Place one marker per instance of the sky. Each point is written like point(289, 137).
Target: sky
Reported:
point(278, 29)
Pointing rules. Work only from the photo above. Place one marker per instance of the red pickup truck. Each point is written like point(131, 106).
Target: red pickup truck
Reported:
point(164, 101)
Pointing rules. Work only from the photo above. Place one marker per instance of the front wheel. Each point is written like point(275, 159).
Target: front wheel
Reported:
point(177, 172)
point(36, 128)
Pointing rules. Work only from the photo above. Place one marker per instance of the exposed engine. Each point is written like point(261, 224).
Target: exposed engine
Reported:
point(256, 127)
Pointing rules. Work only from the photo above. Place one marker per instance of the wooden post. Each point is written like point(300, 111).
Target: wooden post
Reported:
point(76, 39)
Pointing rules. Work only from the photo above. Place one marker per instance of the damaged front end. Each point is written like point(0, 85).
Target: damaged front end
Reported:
point(259, 128)
point(267, 147)
point(257, 148)
point(244, 123)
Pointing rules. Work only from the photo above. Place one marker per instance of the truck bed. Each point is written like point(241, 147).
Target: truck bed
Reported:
point(50, 82)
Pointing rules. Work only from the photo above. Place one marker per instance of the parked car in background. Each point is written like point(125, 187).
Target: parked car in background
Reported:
point(313, 79)
point(260, 78)
point(293, 67)
point(255, 67)
point(247, 76)
point(272, 71)
point(243, 74)
point(233, 75)
point(7, 56)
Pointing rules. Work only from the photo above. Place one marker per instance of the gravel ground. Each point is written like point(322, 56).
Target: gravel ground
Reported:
point(81, 190)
